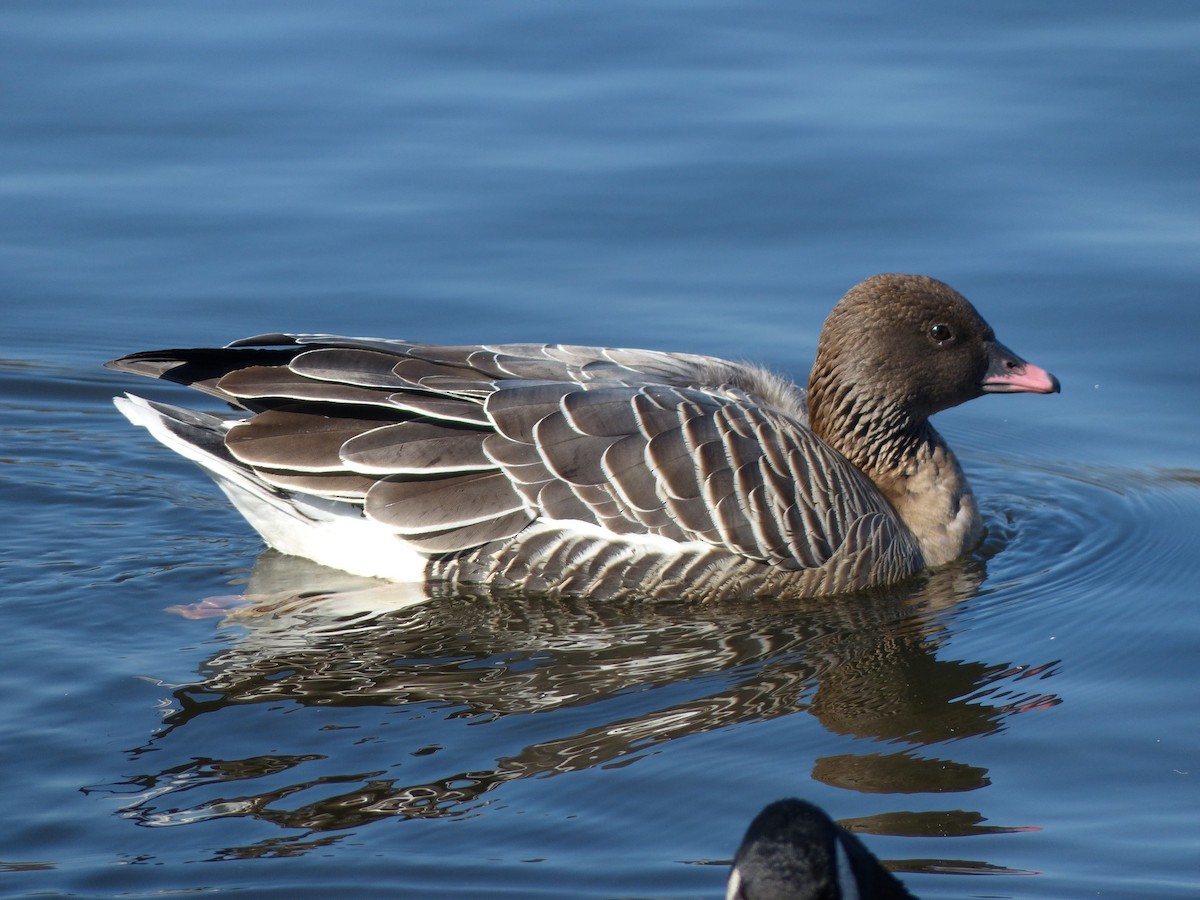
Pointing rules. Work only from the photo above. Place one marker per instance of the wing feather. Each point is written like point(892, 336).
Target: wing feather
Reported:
point(277, 382)
point(413, 506)
point(434, 406)
point(625, 468)
point(346, 486)
point(366, 368)
point(574, 457)
point(516, 411)
point(420, 447)
point(294, 441)
point(465, 537)
point(671, 460)
point(558, 500)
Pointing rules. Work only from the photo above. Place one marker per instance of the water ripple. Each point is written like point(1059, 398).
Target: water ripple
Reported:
point(1060, 534)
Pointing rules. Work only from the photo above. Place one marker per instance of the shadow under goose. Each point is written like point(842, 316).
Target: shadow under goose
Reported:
point(609, 681)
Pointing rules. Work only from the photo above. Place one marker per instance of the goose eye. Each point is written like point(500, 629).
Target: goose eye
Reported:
point(940, 333)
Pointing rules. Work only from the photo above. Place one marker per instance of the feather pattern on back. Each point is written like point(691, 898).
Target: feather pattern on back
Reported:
point(459, 449)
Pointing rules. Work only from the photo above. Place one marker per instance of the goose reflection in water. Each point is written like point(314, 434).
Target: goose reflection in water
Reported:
point(619, 679)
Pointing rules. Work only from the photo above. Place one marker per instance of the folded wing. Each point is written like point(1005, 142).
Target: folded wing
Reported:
point(456, 447)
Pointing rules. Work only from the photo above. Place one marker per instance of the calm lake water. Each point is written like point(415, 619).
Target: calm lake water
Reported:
point(693, 176)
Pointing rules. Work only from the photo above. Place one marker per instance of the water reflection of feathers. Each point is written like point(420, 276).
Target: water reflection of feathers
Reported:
point(864, 665)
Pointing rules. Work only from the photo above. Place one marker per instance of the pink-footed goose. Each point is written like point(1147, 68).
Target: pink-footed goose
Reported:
point(599, 471)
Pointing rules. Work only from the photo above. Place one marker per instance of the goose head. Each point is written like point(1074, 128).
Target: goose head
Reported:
point(896, 350)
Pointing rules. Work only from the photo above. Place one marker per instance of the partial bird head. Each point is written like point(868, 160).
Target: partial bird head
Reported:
point(794, 851)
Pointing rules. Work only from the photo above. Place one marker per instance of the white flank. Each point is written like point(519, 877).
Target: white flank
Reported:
point(328, 532)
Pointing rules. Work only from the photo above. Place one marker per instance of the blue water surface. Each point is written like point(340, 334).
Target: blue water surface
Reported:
point(693, 176)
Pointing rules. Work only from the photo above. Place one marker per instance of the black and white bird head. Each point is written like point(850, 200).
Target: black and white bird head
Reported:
point(794, 851)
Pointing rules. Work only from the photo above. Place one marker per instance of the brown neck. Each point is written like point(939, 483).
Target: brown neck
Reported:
point(907, 460)
point(877, 437)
